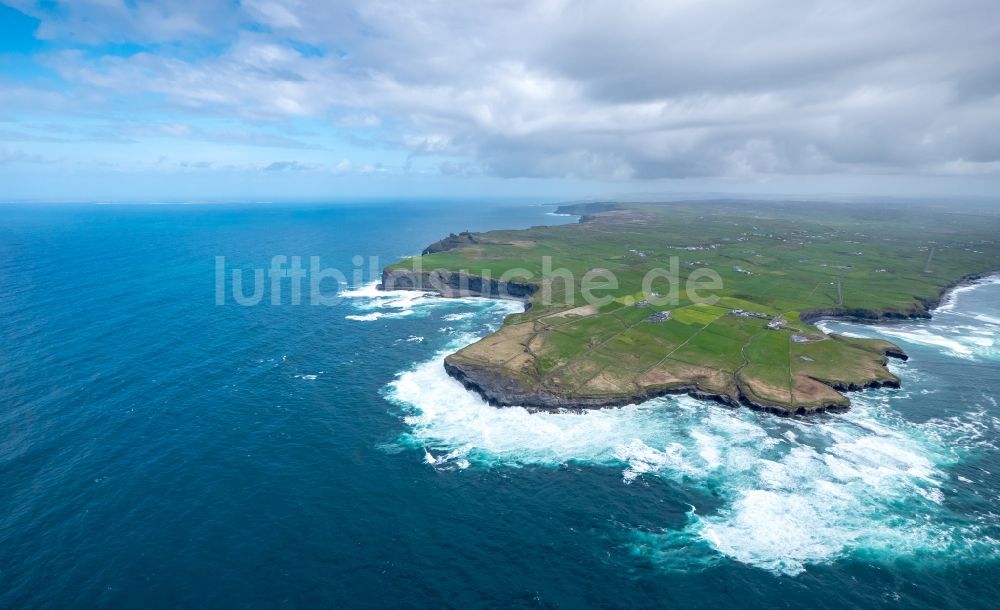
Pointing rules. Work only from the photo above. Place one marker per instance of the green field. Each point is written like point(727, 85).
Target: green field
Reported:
point(798, 261)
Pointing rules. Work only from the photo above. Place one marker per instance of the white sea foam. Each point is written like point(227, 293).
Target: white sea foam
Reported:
point(949, 302)
point(381, 304)
point(793, 492)
point(369, 290)
point(792, 497)
point(926, 337)
point(955, 340)
point(970, 335)
point(824, 325)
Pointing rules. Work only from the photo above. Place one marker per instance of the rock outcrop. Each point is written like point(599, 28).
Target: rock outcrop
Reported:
point(455, 284)
point(501, 389)
point(451, 242)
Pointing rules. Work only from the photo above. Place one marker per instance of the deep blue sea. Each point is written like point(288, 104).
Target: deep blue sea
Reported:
point(160, 450)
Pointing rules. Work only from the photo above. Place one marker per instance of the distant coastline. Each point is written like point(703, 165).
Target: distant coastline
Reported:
point(929, 306)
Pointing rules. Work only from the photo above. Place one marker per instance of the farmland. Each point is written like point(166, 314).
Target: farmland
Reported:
point(717, 299)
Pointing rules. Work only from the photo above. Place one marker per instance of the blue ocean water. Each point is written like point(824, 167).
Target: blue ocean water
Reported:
point(158, 449)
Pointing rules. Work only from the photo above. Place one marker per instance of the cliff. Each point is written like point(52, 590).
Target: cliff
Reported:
point(500, 388)
point(455, 284)
point(451, 242)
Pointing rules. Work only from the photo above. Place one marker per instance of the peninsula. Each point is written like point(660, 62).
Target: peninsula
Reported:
point(747, 337)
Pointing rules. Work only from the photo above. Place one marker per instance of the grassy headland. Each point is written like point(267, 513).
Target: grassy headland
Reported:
point(783, 266)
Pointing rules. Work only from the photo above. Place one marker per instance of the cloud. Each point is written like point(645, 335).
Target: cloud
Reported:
point(275, 14)
point(287, 166)
point(116, 21)
point(196, 164)
point(361, 119)
point(235, 136)
point(17, 157)
point(462, 169)
point(553, 88)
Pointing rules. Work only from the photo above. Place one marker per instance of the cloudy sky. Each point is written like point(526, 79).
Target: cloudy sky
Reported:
point(129, 99)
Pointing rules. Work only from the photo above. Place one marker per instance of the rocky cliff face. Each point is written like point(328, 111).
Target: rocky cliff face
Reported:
point(451, 242)
point(455, 284)
point(864, 315)
point(501, 390)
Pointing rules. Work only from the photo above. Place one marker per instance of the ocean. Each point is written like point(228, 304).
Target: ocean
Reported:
point(159, 449)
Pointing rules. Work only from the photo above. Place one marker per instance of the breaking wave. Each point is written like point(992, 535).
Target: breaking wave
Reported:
point(950, 300)
point(953, 341)
point(966, 333)
point(374, 304)
point(868, 484)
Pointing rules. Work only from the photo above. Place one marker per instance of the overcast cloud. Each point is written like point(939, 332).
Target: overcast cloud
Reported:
point(622, 92)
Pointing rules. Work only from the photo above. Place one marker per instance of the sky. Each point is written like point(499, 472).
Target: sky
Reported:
point(313, 99)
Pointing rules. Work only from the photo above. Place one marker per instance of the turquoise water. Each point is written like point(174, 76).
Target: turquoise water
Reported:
point(158, 449)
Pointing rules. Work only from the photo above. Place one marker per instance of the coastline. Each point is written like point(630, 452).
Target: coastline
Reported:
point(507, 392)
point(502, 390)
point(456, 285)
point(926, 311)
